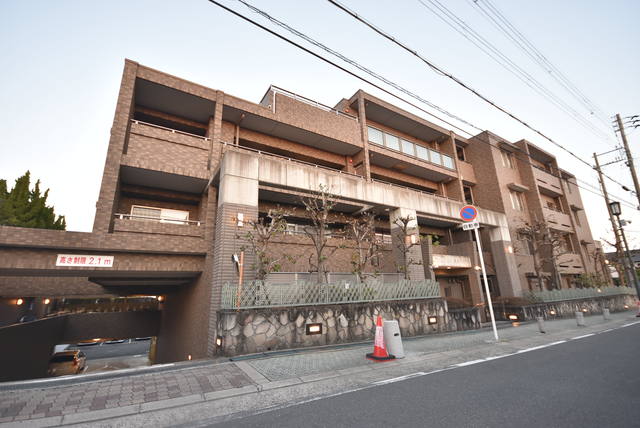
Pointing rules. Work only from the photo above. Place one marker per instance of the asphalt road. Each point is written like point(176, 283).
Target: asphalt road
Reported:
point(109, 350)
point(589, 382)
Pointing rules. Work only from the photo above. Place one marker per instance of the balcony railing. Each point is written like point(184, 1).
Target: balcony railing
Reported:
point(173, 131)
point(157, 219)
point(578, 293)
point(261, 294)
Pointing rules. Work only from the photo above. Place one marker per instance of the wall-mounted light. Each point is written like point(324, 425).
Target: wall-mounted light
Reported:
point(477, 267)
point(584, 309)
point(240, 219)
point(314, 328)
point(552, 312)
point(432, 320)
point(189, 357)
point(509, 249)
point(606, 262)
point(626, 306)
point(219, 341)
point(513, 317)
point(599, 291)
point(160, 298)
point(19, 302)
point(46, 301)
point(411, 239)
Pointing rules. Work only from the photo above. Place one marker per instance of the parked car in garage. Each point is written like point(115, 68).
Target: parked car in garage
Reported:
point(67, 363)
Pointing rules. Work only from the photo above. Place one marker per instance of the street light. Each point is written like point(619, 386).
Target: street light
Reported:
point(615, 208)
point(616, 211)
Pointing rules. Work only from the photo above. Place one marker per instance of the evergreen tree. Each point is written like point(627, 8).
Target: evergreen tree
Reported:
point(27, 208)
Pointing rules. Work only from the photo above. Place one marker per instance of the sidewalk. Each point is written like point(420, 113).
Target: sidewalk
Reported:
point(142, 393)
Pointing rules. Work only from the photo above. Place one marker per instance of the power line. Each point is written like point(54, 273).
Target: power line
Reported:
point(459, 82)
point(464, 29)
point(264, 14)
point(524, 44)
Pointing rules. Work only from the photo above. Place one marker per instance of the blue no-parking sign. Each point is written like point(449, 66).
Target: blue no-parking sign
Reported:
point(468, 213)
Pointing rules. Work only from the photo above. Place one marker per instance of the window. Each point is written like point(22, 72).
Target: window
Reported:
point(447, 161)
point(375, 136)
point(422, 152)
point(576, 215)
point(435, 157)
point(517, 202)
point(408, 147)
point(392, 142)
point(163, 215)
point(507, 159)
point(468, 195)
point(460, 153)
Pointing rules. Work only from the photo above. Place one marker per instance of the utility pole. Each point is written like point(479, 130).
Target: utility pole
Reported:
point(616, 232)
point(629, 157)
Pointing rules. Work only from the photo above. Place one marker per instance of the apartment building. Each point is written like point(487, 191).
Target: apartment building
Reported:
point(553, 245)
point(189, 167)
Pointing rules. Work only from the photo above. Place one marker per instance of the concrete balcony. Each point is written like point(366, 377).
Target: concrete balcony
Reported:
point(135, 224)
point(448, 261)
point(155, 148)
point(467, 172)
point(547, 183)
point(570, 263)
point(557, 220)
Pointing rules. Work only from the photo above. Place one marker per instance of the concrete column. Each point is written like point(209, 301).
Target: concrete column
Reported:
point(362, 118)
point(504, 262)
point(416, 268)
point(427, 259)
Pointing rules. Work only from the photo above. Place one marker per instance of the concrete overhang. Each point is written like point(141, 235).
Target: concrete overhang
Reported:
point(386, 158)
point(162, 98)
point(517, 187)
point(275, 128)
point(387, 114)
point(162, 180)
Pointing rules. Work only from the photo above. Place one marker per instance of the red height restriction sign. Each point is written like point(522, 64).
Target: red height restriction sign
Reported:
point(468, 213)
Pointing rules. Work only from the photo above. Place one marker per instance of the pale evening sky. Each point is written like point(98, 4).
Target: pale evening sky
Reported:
point(62, 63)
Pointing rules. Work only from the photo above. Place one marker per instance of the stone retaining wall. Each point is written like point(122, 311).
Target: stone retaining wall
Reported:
point(567, 308)
point(258, 330)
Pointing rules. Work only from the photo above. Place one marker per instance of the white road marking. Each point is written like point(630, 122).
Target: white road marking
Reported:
point(399, 378)
point(583, 336)
point(469, 363)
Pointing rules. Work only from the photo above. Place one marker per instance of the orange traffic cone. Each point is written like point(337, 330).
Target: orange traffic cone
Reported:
point(379, 350)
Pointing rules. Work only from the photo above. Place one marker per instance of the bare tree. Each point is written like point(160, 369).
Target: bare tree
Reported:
point(545, 247)
point(405, 242)
point(318, 208)
point(259, 238)
point(362, 231)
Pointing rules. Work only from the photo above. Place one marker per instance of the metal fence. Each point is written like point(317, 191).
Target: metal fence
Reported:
point(264, 294)
point(577, 293)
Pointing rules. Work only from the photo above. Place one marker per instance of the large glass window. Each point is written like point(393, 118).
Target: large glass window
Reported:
point(435, 157)
point(447, 161)
point(392, 142)
point(422, 152)
point(375, 136)
point(408, 147)
point(163, 215)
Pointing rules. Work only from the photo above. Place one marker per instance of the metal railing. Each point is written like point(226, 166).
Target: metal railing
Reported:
point(577, 293)
point(157, 219)
point(293, 95)
point(265, 294)
point(173, 131)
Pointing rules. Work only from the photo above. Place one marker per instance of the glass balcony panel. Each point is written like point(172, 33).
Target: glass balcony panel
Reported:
point(435, 157)
point(392, 141)
point(447, 161)
point(422, 153)
point(375, 136)
point(408, 147)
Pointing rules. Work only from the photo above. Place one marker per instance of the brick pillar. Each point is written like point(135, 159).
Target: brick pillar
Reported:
point(416, 270)
point(109, 189)
point(504, 261)
point(362, 118)
point(238, 194)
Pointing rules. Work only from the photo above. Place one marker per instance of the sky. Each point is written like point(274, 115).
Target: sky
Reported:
point(62, 64)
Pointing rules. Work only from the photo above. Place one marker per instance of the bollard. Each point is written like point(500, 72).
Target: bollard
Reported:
point(541, 324)
point(580, 319)
point(392, 338)
point(606, 314)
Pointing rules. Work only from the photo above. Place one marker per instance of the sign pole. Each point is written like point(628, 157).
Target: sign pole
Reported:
point(486, 285)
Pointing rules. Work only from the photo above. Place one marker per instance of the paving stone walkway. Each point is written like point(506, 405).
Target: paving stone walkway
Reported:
point(124, 391)
point(54, 405)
